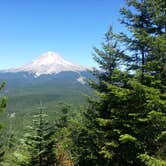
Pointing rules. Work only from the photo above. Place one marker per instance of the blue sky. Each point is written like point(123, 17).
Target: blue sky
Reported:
point(70, 27)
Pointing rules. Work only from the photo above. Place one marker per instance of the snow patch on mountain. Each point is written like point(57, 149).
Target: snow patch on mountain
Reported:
point(49, 63)
point(82, 80)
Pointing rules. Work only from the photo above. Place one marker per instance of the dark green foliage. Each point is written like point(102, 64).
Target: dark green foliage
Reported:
point(3, 99)
point(40, 142)
point(126, 122)
point(2, 108)
point(1, 152)
point(63, 133)
point(62, 121)
point(90, 136)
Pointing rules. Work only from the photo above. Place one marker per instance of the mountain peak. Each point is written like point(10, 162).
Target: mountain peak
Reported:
point(49, 63)
point(48, 58)
point(50, 54)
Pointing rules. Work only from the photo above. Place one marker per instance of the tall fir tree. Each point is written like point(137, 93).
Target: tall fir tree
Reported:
point(128, 118)
point(90, 136)
point(40, 141)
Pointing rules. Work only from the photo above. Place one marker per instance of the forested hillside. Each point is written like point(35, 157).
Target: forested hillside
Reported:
point(122, 124)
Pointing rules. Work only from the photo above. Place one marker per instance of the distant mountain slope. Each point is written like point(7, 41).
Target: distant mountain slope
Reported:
point(25, 92)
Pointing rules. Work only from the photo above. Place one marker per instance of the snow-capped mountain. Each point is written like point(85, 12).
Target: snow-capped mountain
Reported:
point(49, 78)
point(48, 63)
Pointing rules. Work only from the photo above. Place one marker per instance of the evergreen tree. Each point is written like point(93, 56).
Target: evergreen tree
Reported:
point(90, 137)
point(40, 142)
point(147, 24)
point(2, 109)
point(127, 120)
point(146, 42)
point(10, 139)
point(63, 135)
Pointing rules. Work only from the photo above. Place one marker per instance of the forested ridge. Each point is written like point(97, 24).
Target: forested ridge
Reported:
point(124, 123)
